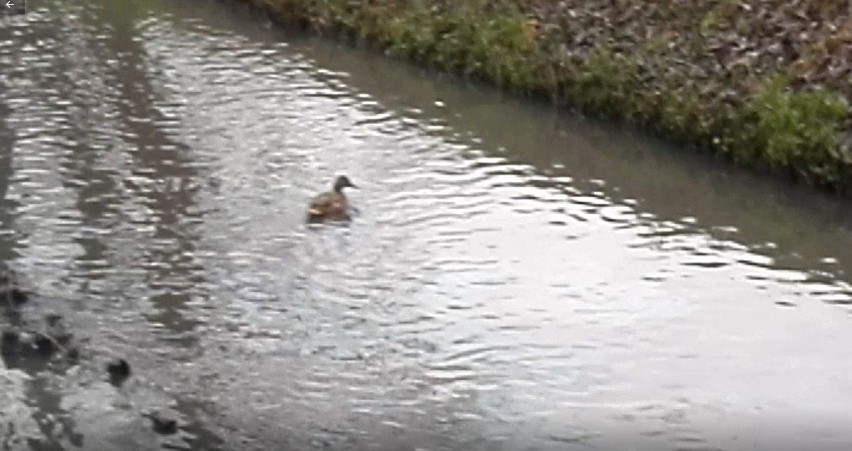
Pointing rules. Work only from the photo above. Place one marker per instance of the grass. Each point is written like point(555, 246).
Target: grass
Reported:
point(797, 131)
point(773, 126)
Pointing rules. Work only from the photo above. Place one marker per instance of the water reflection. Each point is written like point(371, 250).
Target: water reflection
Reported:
point(7, 238)
point(617, 164)
point(516, 277)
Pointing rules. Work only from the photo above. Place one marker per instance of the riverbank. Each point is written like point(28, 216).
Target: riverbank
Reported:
point(767, 83)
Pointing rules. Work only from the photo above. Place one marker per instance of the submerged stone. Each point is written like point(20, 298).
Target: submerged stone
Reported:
point(118, 370)
point(162, 424)
point(10, 340)
point(45, 345)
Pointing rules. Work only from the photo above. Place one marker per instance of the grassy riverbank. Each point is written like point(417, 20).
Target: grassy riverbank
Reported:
point(767, 83)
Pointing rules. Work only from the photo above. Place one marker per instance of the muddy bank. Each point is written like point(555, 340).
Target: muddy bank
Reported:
point(766, 83)
point(41, 355)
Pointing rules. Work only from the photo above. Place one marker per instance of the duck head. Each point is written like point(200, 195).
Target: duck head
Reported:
point(342, 182)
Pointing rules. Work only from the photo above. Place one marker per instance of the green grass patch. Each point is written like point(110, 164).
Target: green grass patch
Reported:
point(496, 41)
point(796, 131)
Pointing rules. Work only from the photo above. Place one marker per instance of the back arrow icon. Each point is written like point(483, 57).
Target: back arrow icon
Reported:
point(9, 4)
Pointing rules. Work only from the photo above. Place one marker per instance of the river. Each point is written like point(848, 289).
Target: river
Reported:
point(515, 277)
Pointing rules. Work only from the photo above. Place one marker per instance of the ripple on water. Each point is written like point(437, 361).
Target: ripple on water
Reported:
point(479, 291)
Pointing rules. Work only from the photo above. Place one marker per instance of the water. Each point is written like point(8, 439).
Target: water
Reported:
point(515, 278)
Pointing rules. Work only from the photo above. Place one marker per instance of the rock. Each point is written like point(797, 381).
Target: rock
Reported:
point(162, 423)
point(12, 297)
point(45, 344)
point(9, 290)
point(118, 370)
point(52, 319)
point(10, 340)
point(73, 354)
point(17, 296)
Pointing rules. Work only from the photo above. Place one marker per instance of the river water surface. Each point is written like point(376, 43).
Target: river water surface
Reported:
point(515, 277)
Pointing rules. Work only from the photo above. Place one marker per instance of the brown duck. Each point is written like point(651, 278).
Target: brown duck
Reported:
point(331, 206)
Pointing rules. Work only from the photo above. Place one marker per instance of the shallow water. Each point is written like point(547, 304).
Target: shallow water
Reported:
point(515, 277)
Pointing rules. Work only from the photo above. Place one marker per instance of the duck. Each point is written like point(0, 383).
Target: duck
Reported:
point(331, 205)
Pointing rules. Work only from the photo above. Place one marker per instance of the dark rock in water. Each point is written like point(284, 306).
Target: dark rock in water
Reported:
point(162, 424)
point(7, 277)
point(12, 297)
point(34, 350)
point(119, 371)
point(10, 340)
point(52, 319)
point(45, 344)
point(9, 291)
point(72, 354)
point(10, 346)
point(17, 296)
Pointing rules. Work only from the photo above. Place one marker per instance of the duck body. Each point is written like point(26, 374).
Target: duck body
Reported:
point(332, 205)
